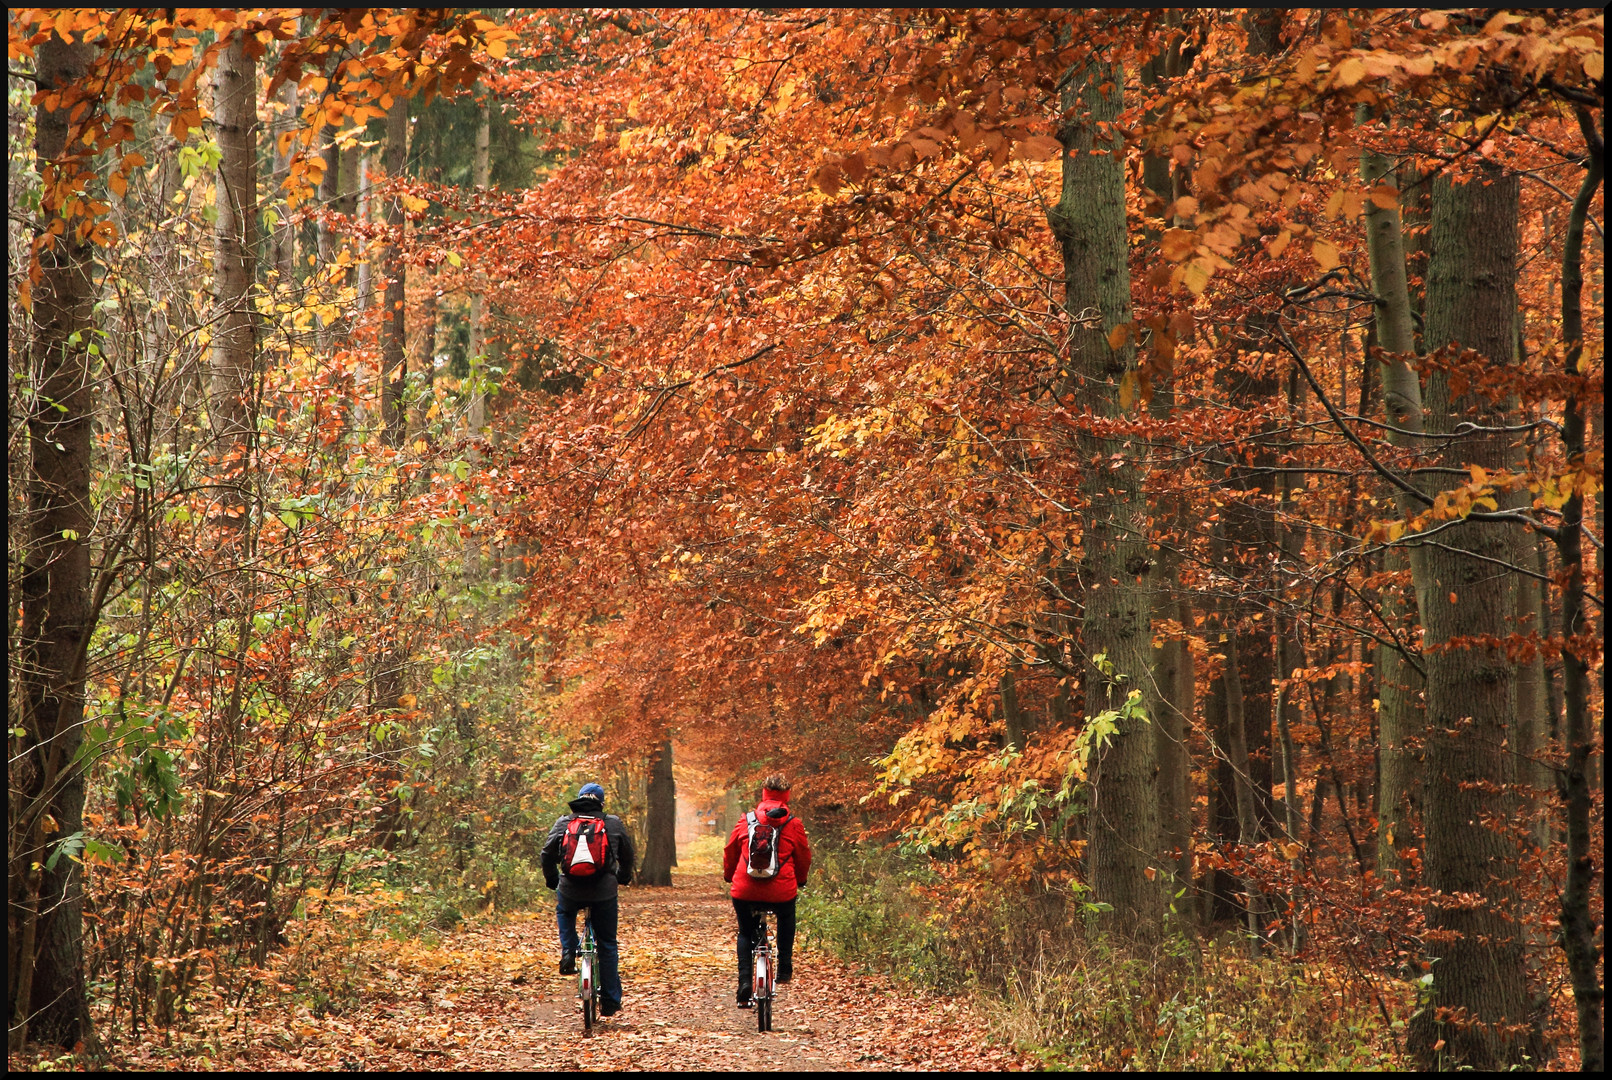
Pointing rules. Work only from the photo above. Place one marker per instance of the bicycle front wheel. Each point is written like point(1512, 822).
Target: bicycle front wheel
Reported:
point(588, 992)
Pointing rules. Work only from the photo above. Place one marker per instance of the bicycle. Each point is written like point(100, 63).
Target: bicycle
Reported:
point(587, 985)
point(764, 972)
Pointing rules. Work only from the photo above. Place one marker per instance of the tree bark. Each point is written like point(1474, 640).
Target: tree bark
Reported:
point(44, 940)
point(1012, 715)
point(234, 260)
point(1089, 224)
point(1400, 715)
point(1578, 910)
point(1479, 1014)
point(477, 418)
point(660, 841)
point(1172, 660)
point(283, 247)
point(394, 357)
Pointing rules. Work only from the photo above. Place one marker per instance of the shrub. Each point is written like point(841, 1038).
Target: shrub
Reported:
point(1059, 988)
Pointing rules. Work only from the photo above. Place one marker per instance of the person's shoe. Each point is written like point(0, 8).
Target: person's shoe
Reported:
point(784, 975)
point(568, 963)
point(607, 1009)
point(747, 1003)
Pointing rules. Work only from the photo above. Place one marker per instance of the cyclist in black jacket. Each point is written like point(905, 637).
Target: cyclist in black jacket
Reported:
point(596, 892)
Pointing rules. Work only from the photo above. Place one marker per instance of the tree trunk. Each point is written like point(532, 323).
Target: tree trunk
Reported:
point(234, 261)
point(44, 924)
point(1089, 223)
point(1471, 689)
point(1173, 672)
point(394, 358)
point(1172, 660)
point(660, 842)
point(283, 248)
point(1578, 911)
point(420, 419)
point(478, 340)
point(1012, 714)
point(1400, 715)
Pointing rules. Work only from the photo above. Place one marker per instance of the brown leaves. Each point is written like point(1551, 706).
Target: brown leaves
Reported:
point(1177, 244)
point(490, 997)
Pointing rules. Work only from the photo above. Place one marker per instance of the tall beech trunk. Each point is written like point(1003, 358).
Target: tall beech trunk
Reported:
point(1173, 674)
point(660, 841)
point(478, 299)
point(234, 260)
point(1400, 716)
point(394, 356)
point(1089, 223)
point(45, 906)
point(1479, 971)
point(1172, 660)
point(419, 416)
point(283, 246)
point(325, 236)
point(1578, 915)
point(1012, 714)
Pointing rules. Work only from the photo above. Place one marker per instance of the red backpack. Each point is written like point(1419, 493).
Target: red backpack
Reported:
point(585, 848)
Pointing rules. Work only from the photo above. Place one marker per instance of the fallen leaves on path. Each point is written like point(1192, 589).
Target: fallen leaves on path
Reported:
point(490, 997)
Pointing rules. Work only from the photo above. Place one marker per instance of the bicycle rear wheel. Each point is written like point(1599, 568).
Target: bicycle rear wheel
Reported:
point(764, 1014)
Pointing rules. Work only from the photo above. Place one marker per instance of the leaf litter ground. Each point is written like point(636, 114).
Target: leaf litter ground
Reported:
point(490, 996)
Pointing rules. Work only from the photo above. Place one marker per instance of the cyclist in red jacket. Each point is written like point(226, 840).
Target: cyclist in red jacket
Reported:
point(767, 860)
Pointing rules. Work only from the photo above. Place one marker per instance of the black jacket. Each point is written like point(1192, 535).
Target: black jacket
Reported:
point(599, 887)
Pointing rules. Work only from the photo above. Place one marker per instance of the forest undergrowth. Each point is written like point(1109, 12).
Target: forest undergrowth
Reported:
point(1079, 1001)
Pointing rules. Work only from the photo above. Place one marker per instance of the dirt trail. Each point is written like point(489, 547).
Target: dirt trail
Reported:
point(501, 1003)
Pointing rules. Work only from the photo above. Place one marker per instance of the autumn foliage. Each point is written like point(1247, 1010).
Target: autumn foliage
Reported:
point(785, 405)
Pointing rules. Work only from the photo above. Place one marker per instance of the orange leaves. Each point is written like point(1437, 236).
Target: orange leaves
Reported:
point(1177, 244)
point(1384, 197)
point(1037, 148)
point(1325, 255)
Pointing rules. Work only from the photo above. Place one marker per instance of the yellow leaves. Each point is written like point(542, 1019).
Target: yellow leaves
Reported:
point(1292, 850)
point(1384, 196)
point(1118, 336)
point(1325, 255)
point(413, 204)
point(1177, 244)
point(1129, 387)
point(1275, 248)
point(1184, 207)
point(1348, 73)
point(1195, 276)
point(1595, 65)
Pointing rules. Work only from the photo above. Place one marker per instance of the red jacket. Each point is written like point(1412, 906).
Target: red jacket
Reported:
point(794, 857)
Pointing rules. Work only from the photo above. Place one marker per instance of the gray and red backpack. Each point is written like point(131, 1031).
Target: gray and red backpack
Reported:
point(585, 848)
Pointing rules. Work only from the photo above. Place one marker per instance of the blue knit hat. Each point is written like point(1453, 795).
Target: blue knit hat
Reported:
point(591, 791)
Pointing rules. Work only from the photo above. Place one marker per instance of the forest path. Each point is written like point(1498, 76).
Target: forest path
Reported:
point(501, 1003)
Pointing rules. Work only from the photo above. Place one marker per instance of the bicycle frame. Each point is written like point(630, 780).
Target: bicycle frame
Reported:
point(587, 982)
point(764, 971)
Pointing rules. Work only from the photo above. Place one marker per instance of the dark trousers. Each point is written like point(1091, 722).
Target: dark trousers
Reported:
point(749, 914)
point(604, 917)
